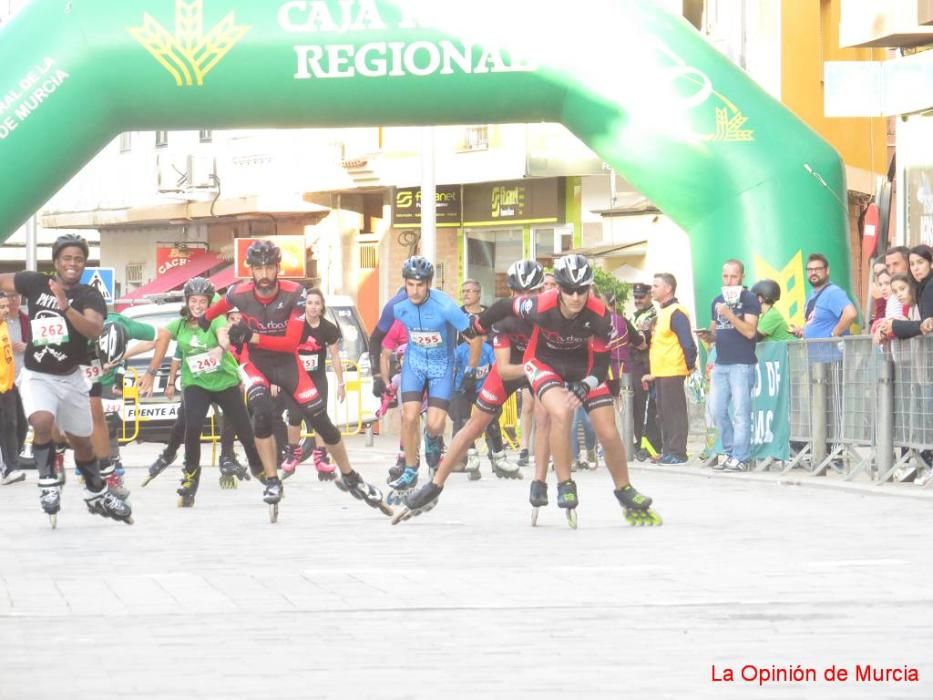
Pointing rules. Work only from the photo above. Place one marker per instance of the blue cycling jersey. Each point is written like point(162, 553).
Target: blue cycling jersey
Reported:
point(486, 361)
point(432, 329)
point(387, 317)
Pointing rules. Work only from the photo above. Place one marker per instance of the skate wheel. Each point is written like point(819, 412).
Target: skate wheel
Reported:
point(572, 517)
point(129, 520)
point(386, 510)
point(475, 475)
point(401, 516)
point(273, 512)
point(53, 520)
point(534, 516)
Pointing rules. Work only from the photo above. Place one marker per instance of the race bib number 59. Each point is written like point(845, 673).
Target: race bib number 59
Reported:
point(51, 330)
point(426, 339)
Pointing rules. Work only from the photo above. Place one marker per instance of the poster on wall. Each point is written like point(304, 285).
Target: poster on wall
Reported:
point(294, 256)
point(920, 204)
point(168, 257)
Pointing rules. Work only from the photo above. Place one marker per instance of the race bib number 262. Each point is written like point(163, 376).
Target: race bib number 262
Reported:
point(51, 330)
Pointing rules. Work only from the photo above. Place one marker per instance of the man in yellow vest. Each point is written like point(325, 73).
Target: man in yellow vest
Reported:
point(9, 447)
point(672, 357)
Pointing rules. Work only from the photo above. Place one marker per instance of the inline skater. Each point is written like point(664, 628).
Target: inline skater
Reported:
point(318, 337)
point(208, 375)
point(231, 471)
point(510, 338)
point(107, 355)
point(64, 315)
point(269, 333)
point(566, 363)
point(433, 321)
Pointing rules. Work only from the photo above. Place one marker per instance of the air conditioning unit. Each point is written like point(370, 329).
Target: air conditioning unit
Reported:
point(172, 174)
point(202, 172)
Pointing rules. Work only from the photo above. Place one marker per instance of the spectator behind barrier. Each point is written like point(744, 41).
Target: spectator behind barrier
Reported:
point(829, 313)
point(897, 262)
point(920, 261)
point(771, 324)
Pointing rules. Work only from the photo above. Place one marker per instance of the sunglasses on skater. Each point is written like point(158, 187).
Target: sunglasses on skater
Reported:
point(575, 291)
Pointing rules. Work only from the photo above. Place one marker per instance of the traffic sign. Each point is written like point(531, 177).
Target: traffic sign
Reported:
point(102, 279)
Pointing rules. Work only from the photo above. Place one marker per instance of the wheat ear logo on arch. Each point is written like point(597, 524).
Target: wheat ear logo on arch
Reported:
point(189, 54)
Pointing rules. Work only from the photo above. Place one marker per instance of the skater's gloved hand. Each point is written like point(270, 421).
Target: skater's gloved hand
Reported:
point(474, 329)
point(203, 323)
point(379, 386)
point(468, 386)
point(581, 389)
point(239, 334)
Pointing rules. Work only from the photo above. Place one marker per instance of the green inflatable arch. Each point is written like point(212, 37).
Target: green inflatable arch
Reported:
point(741, 174)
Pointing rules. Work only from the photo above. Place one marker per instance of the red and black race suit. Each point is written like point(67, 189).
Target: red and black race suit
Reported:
point(512, 333)
point(560, 349)
point(279, 322)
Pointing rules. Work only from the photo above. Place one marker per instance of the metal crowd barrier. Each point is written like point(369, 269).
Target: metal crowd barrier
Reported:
point(855, 405)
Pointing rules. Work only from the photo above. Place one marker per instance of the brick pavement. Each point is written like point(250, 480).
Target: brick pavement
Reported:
point(466, 601)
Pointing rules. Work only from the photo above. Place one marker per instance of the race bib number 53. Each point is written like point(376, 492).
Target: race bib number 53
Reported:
point(51, 330)
point(426, 339)
point(309, 362)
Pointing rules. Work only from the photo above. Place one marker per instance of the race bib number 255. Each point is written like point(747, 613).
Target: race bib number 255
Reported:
point(426, 339)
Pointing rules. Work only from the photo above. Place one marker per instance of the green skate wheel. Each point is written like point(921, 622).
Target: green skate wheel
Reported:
point(53, 520)
point(572, 517)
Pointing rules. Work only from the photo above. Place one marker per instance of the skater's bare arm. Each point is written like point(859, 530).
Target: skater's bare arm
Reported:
point(161, 347)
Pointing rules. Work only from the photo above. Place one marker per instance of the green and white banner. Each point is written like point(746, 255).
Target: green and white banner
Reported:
point(770, 403)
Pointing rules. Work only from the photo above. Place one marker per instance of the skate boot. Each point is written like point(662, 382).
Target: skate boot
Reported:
point(231, 472)
point(291, 461)
point(567, 499)
point(523, 458)
point(503, 468)
point(418, 502)
point(433, 451)
point(537, 497)
point(272, 494)
point(50, 498)
point(160, 465)
point(472, 464)
point(353, 484)
point(637, 507)
point(399, 468)
point(107, 505)
point(108, 472)
point(325, 470)
point(592, 460)
point(190, 478)
point(405, 483)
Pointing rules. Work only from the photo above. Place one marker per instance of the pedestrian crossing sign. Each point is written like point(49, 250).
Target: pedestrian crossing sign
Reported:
point(102, 279)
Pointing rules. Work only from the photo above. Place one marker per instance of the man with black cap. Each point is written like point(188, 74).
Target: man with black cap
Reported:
point(646, 427)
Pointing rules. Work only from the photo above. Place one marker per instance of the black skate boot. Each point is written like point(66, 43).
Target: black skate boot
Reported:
point(105, 504)
point(50, 498)
point(190, 478)
point(538, 499)
point(418, 502)
point(160, 465)
point(433, 451)
point(637, 507)
point(567, 499)
point(231, 472)
point(523, 457)
point(401, 486)
point(272, 494)
point(353, 484)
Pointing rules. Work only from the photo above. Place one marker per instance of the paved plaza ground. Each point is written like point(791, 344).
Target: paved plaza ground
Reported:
point(468, 600)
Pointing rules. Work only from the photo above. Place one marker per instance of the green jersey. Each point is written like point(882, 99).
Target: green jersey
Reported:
point(199, 367)
point(134, 331)
point(773, 326)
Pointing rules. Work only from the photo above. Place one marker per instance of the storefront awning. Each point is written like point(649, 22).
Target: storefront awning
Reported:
point(224, 277)
point(173, 279)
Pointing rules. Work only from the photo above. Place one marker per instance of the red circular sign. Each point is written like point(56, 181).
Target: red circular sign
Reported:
point(870, 225)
